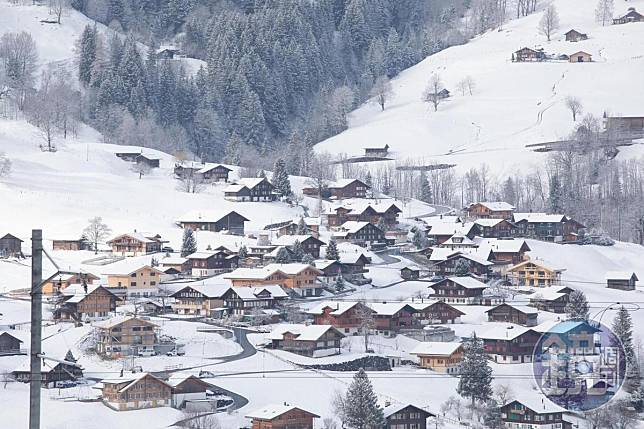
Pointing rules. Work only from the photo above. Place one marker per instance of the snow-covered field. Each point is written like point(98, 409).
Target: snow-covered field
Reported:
point(513, 104)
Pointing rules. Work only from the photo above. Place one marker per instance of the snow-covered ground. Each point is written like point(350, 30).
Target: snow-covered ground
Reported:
point(513, 104)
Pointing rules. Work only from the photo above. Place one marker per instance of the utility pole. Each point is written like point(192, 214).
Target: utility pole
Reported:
point(36, 329)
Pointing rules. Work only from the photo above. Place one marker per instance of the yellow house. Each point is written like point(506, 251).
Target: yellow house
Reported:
point(533, 273)
point(439, 356)
point(143, 281)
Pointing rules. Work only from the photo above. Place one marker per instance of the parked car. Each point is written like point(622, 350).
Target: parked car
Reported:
point(176, 352)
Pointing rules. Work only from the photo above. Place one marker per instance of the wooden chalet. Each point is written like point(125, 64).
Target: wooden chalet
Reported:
point(215, 221)
point(135, 392)
point(508, 251)
point(580, 57)
point(509, 343)
point(440, 232)
point(214, 173)
point(378, 152)
point(301, 279)
point(139, 281)
point(187, 388)
point(569, 337)
point(66, 279)
point(364, 211)
point(354, 263)
point(436, 312)
point(291, 227)
point(495, 228)
point(10, 246)
point(460, 290)
point(624, 124)
point(125, 336)
point(344, 188)
point(547, 227)
point(251, 189)
point(575, 36)
point(345, 316)
point(540, 414)
point(444, 357)
point(136, 244)
point(199, 299)
point(553, 299)
point(307, 340)
point(477, 266)
point(64, 370)
point(521, 315)
point(390, 317)
point(410, 273)
point(281, 416)
point(533, 273)
point(185, 169)
point(527, 54)
point(70, 244)
point(167, 52)
point(209, 263)
point(330, 268)
point(175, 265)
point(361, 233)
point(622, 280)
point(310, 244)
point(631, 15)
point(86, 303)
point(245, 300)
point(9, 344)
point(405, 416)
point(139, 158)
point(489, 210)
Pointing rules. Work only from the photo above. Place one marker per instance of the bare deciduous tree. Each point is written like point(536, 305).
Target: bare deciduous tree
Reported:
point(574, 105)
point(97, 231)
point(320, 171)
point(190, 182)
point(58, 8)
point(466, 85)
point(200, 421)
point(20, 60)
point(434, 87)
point(367, 323)
point(381, 91)
point(604, 12)
point(5, 165)
point(549, 22)
point(329, 423)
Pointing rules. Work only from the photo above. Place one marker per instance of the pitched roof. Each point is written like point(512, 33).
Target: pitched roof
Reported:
point(495, 206)
point(467, 282)
point(77, 293)
point(503, 332)
point(262, 273)
point(436, 348)
point(251, 293)
point(131, 380)
point(538, 217)
point(10, 335)
point(353, 226)
point(392, 409)
point(289, 240)
point(173, 260)
point(569, 325)
point(208, 167)
point(321, 264)
point(449, 228)
point(125, 269)
point(389, 308)
point(290, 269)
point(138, 236)
point(537, 263)
point(513, 245)
point(209, 216)
point(458, 240)
point(115, 321)
point(9, 235)
point(522, 308)
point(359, 205)
point(271, 412)
point(251, 182)
point(204, 254)
point(207, 290)
point(538, 404)
point(621, 275)
point(303, 332)
point(344, 183)
point(340, 307)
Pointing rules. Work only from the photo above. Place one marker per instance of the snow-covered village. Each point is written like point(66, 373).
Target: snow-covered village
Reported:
point(329, 214)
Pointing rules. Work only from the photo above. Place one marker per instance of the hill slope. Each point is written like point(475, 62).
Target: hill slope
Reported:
point(513, 104)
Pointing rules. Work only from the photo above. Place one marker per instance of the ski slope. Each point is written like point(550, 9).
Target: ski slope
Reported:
point(513, 104)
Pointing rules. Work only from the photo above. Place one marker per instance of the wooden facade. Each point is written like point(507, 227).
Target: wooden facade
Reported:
point(580, 57)
point(135, 244)
point(514, 345)
point(379, 152)
point(64, 280)
point(444, 357)
point(74, 245)
point(124, 336)
point(408, 273)
point(512, 314)
point(135, 393)
point(300, 278)
point(575, 36)
point(360, 233)
point(437, 312)
point(9, 344)
point(198, 300)
point(282, 417)
point(231, 221)
point(143, 281)
point(344, 316)
point(489, 210)
point(210, 263)
point(533, 273)
point(214, 173)
point(251, 189)
point(312, 341)
point(387, 213)
point(631, 15)
point(448, 266)
point(496, 228)
point(459, 290)
point(527, 54)
point(10, 246)
point(406, 417)
point(516, 415)
point(622, 281)
point(345, 188)
point(98, 302)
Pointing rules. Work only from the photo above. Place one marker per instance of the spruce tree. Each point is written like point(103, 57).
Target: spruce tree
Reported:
point(283, 256)
point(87, 54)
point(233, 150)
point(369, 182)
point(623, 330)
point(243, 252)
point(298, 251)
point(339, 284)
point(308, 259)
point(301, 227)
point(189, 243)
point(280, 178)
point(361, 407)
point(419, 239)
point(425, 189)
point(577, 308)
point(475, 373)
point(332, 251)
point(555, 195)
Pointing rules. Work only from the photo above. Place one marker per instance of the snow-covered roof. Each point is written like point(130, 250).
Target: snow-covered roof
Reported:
point(474, 258)
point(250, 182)
point(513, 245)
point(290, 269)
point(271, 412)
point(441, 253)
point(502, 332)
point(303, 332)
point(208, 167)
point(468, 282)
point(209, 290)
point(353, 226)
point(340, 307)
point(251, 293)
point(351, 258)
point(433, 220)
point(536, 262)
point(234, 188)
point(341, 183)
point(392, 409)
point(495, 206)
point(321, 264)
point(203, 254)
point(128, 266)
point(538, 217)
point(138, 236)
point(488, 222)
point(620, 275)
point(448, 228)
point(387, 308)
point(289, 240)
point(547, 294)
point(131, 380)
point(539, 404)
point(173, 260)
point(262, 273)
point(117, 320)
point(522, 308)
point(205, 215)
point(77, 292)
point(458, 240)
point(359, 205)
point(436, 348)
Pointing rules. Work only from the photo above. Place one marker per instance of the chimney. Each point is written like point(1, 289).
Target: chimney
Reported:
point(387, 403)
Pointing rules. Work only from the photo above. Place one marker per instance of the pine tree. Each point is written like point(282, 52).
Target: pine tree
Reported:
point(361, 409)
point(298, 251)
point(556, 195)
point(308, 259)
point(475, 373)
point(623, 330)
point(87, 54)
point(419, 239)
point(283, 256)
point(233, 150)
point(425, 189)
point(339, 284)
point(577, 308)
point(369, 182)
point(189, 243)
point(332, 251)
point(492, 415)
point(301, 227)
point(243, 252)
point(280, 178)
point(462, 268)
point(69, 357)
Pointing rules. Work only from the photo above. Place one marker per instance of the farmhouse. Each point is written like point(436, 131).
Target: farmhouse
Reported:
point(477, 266)
point(527, 54)
point(139, 280)
point(521, 315)
point(89, 302)
point(310, 244)
point(68, 370)
point(69, 244)
point(436, 312)
point(187, 388)
point(380, 152)
point(139, 158)
point(575, 36)
point(292, 227)
point(299, 278)
point(125, 336)
point(547, 227)
point(214, 173)
point(552, 299)
point(541, 414)
point(65, 279)
point(533, 273)
point(251, 189)
point(136, 391)
point(459, 241)
point(363, 211)
point(178, 265)
point(410, 273)
point(405, 416)
point(209, 263)
point(439, 356)
point(282, 417)
point(442, 231)
point(199, 299)
point(307, 340)
point(364, 233)
point(489, 210)
point(331, 270)
point(9, 344)
point(353, 263)
point(215, 221)
point(580, 57)
point(459, 290)
point(167, 52)
point(136, 244)
point(621, 280)
point(510, 343)
point(10, 246)
point(184, 169)
point(631, 15)
point(506, 251)
point(343, 315)
point(244, 300)
point(495, 228)
point(391, 317)
point(343, 188)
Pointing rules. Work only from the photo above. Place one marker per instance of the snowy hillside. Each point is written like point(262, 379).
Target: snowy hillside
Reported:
point(513, 104)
